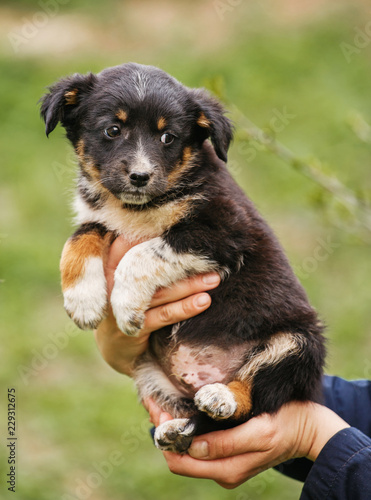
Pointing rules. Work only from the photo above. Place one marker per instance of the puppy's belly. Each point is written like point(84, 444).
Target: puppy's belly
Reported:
point(189, 368)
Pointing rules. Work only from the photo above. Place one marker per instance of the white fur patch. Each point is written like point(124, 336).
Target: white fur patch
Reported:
point(143, 269)
point(86, 300)
point(135, 226)
point(217, 400)
point(141, 83)
point(141, 162)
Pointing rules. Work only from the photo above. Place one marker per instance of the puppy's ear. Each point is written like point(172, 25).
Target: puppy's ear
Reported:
point(62, 102)
point(212, 122)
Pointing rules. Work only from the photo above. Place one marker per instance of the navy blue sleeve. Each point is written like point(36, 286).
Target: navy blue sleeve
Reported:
point(352, 402)
point(342, 470)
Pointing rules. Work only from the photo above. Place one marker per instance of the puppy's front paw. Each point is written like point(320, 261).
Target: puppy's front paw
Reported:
point(131, 296)
point(217, 400)
point(128, 308)
point(86, 300)
point(175, 435)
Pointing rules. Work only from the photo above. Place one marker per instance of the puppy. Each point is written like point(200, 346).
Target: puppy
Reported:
point(147, 171)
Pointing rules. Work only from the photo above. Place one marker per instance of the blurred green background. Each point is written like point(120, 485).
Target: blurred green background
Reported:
point(303, 68)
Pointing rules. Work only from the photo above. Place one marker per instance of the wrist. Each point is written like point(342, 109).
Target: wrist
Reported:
point(322, 425)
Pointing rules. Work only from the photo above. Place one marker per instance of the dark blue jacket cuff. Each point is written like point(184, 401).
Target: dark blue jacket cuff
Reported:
point(342, 470)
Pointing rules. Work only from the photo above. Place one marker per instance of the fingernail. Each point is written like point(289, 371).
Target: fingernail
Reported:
point(202, 300)
point(199, 449)
point(211, 279)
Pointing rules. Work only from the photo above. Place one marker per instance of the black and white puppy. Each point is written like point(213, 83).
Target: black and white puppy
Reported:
point(147, 171)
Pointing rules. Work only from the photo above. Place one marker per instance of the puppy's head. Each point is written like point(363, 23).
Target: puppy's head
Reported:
point(135, 128)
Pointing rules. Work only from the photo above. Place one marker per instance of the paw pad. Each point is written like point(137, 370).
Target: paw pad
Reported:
point(175, 435)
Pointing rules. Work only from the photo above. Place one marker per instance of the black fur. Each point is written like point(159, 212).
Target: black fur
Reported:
point(91, 227)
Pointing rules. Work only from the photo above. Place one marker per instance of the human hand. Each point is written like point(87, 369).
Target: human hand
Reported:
point(231, 457)
point(169, 305)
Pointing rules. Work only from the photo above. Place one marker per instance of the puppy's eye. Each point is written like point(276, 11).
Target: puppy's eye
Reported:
point(167, 138)
point(112, 132)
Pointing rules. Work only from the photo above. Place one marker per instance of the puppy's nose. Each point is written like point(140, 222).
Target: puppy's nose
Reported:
point(139, 179)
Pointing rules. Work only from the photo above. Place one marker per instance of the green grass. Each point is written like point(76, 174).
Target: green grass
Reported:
point(75, 415)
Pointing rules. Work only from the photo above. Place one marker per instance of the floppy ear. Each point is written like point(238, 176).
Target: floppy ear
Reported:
point(62, 102)
point(213, 123)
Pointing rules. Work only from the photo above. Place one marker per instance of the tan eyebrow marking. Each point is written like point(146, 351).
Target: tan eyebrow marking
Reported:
point(203, 121)
point(161, 124)
point(71, 96)
point(122, 115)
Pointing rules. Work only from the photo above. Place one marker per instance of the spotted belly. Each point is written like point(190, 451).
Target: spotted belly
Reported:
point(190, 368)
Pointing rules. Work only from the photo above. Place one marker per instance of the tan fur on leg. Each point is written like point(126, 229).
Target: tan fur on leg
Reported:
point(242, 394)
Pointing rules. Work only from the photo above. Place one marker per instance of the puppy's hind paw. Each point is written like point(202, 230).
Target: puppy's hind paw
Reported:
point(175, 435)
point(217, 400)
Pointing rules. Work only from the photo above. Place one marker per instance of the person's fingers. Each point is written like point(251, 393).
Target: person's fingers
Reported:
point(180, 290)
point(256, 435)
point(174, 312)
point(185, 288)
point(228, 472)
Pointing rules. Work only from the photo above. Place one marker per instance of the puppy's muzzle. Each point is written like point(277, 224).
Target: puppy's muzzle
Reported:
point(139, 179)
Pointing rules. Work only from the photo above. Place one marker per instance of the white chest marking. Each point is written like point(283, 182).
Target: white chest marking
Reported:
point(140, 225)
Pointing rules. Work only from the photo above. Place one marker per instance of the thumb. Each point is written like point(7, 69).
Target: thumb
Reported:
point(252, 436)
